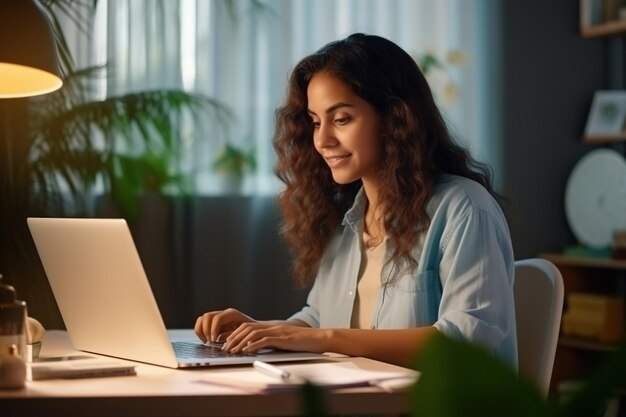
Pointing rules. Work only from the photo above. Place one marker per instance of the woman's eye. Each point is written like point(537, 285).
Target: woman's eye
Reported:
point(342, 121)
point(315, 124)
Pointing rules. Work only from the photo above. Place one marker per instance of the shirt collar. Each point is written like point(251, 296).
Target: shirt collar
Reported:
point(354, 216)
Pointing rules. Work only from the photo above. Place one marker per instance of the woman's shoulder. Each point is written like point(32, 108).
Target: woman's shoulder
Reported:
point(462, 193)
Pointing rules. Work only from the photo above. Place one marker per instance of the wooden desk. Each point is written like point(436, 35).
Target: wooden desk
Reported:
point(156, 391)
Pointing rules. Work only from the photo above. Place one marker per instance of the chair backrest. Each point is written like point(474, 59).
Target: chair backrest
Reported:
point(538, 292)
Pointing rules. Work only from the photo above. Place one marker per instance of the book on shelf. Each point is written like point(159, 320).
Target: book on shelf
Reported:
point(594, 316)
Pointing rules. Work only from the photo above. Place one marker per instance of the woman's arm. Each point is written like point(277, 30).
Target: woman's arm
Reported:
point(397, 346)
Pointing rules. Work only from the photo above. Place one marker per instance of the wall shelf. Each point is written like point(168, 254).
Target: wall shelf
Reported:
point(585, 344)
point(579, 261)
point(616, 27)
point(577, 356)
point(604, 139)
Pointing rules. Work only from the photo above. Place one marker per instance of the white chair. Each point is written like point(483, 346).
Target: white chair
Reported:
point(538, 292)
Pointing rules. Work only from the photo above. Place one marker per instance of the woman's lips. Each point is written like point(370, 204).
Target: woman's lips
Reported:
point(334, 161)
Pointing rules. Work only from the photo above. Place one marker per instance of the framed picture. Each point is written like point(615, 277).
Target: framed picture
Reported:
point(593, 12)
point(607, 117)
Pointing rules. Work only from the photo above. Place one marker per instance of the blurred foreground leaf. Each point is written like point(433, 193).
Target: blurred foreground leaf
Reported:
point(461, 379)
point(313, 401)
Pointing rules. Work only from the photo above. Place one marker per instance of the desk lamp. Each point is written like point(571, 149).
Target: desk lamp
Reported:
point(29, 64)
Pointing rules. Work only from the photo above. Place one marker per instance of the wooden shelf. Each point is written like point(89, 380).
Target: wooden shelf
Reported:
point(603, 139)
point(616, 27)
point(585, 344)
point(568, 260)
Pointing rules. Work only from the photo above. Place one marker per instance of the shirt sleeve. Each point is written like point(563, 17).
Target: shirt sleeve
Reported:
point(476, 273)
point(310, 312)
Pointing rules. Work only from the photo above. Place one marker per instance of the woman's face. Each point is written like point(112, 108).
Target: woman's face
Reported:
point(347, 129)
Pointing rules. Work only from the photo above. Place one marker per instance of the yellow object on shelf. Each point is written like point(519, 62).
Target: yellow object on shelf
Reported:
point(594, 316)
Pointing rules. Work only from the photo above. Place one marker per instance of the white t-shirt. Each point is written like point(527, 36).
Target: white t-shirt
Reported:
point(370, 272)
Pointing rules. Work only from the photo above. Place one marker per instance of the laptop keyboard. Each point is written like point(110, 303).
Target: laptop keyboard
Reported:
point(190, 350)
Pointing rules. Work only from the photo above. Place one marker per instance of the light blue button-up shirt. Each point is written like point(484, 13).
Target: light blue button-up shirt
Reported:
point(463, 284)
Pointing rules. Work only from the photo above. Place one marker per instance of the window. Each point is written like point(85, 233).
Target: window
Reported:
point(240, 52)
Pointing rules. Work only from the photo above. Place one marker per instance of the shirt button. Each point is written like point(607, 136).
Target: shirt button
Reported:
point(349, 292)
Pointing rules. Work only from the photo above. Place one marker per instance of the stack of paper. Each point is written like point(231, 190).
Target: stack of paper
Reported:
point(331, 374)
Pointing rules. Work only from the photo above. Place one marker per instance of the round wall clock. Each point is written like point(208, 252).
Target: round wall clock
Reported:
point(595, 198)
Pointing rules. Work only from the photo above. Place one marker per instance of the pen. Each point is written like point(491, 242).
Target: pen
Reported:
point(271, 370)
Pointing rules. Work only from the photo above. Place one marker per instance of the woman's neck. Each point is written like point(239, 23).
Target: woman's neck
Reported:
point(373, 218)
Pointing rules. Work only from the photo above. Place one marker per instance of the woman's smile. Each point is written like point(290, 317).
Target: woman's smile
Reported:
point(336, 161)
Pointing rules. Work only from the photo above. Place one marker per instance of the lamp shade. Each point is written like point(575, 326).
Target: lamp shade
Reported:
point(29, 63)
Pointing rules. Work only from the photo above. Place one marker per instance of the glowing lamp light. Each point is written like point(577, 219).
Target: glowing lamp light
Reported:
point(29, 64)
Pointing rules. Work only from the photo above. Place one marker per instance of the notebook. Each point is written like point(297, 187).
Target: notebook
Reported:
point(105, 298)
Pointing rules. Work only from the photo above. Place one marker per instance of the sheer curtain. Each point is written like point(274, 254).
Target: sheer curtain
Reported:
point(240, 52)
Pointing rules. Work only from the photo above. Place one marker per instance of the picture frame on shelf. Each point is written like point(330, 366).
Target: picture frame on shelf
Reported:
point(599, 18)
point(607, 117)
point(591, 13)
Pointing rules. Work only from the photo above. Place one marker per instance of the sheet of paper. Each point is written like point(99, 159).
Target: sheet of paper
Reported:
point(330, 374)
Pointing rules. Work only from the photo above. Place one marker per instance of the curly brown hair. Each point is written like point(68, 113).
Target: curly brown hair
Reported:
point(416, 144)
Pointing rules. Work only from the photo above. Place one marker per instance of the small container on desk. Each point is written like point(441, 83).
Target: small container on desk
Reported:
point(12, 339)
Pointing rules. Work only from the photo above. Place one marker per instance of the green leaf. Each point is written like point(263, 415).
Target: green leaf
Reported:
point(234, 160)
point(427, 62)
point(459, 379)
point(313, 401)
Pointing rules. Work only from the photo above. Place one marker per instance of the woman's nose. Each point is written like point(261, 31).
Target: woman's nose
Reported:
point(324, 137)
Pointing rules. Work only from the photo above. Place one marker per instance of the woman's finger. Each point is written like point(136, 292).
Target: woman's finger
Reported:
point(236, 338)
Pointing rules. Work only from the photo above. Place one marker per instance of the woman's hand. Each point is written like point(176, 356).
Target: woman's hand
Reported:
point(251, 336)
point(214, 326)
point(240, 333)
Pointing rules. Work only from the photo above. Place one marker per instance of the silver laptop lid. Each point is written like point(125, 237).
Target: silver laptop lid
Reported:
point(101, 288)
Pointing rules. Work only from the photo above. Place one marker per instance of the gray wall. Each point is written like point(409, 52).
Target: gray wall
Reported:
point(548, 77)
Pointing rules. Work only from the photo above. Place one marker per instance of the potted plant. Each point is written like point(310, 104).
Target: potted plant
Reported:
point(232, 163)
point(437, 72)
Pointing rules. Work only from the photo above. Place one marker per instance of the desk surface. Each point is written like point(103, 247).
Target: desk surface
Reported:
point(156, 391)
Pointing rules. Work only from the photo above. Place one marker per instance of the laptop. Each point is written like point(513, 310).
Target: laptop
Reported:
point(106, 302)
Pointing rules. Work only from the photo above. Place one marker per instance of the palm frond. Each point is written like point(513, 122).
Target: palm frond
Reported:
point(80, 13)
point(128, 141)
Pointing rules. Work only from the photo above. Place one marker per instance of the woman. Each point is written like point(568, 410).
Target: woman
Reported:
point(395, 226)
